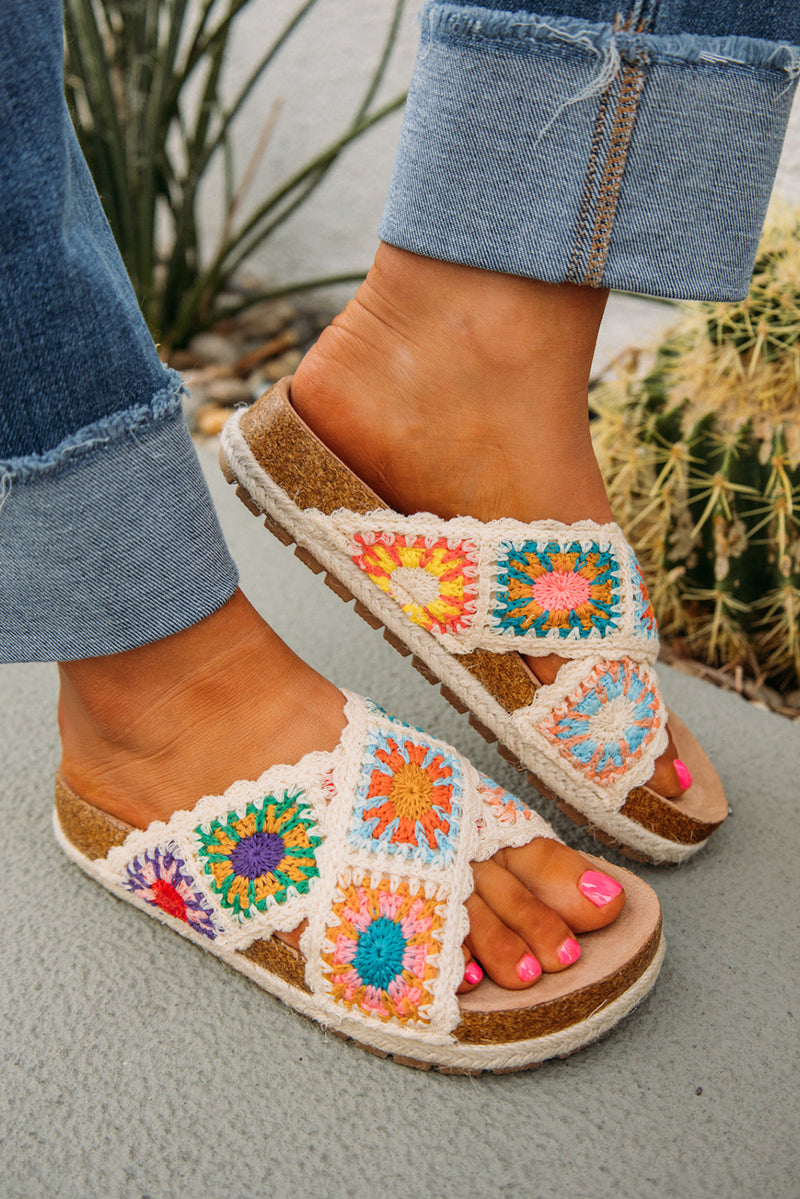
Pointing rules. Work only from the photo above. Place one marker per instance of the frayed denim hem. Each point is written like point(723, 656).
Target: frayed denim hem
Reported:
point(93, 438)
point(448, 23)
point(109, 540)
point(575, 152)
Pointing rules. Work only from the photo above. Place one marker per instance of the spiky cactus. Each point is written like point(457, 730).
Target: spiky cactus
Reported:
point(699, 442)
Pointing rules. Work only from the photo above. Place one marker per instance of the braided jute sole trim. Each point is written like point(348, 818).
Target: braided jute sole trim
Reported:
point(292, 524)
point(284, 982)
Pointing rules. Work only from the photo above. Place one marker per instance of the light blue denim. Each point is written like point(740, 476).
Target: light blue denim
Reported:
point(628, 152)
point(108, 538)
point(558, 146)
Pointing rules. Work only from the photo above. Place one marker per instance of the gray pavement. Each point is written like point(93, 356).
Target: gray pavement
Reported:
point(132, 1065)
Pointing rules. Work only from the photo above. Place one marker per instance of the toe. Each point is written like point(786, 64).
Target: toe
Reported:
point(671, 777)
point(547, 936)
point(504, 955)
point(574, 888)
point(473, 973)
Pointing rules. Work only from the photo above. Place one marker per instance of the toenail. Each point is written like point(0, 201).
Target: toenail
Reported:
point(684, 774)
point(528, 968)
point(569, 952)
point(599, 888)
point(473, 973)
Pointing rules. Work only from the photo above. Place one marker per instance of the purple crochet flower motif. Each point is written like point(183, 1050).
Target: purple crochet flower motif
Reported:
point(161, 877)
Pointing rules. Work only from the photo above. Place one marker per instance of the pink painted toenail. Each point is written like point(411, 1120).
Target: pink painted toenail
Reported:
point(598, 888)
point(569, 952)
point(528, 968)
point(684, 774)
point(473, 974)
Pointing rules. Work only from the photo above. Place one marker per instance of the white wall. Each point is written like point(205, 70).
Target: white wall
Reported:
point(318, 79)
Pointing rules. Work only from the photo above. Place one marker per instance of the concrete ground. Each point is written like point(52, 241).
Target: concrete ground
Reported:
point(135, 1066)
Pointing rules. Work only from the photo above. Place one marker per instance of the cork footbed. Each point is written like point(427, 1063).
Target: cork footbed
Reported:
point(612, 959)
point(314, 477)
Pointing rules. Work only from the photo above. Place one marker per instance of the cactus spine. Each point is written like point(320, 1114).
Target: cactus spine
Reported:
point(699, 442)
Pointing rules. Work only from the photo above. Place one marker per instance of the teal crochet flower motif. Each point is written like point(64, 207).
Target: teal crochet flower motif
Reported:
point(257, 858)
point(552, 588)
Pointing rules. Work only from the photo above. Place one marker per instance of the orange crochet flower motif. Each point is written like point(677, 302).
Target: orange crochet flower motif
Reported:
point(381, 950)
point(645, 616)
point(505, 806)
point(408, 801)
point(433, 581)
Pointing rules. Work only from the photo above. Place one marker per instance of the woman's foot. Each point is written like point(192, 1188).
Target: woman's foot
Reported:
point(149, 731)
point(463, 392)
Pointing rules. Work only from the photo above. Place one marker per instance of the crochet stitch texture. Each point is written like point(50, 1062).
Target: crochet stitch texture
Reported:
point(539, 588)
point(370, 844)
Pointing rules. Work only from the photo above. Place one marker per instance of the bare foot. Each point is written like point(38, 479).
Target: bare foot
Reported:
point(464, 392)
point(149, 731)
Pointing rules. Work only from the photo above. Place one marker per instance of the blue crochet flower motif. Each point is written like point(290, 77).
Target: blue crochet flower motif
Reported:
point(608, 722)
point(643, 614)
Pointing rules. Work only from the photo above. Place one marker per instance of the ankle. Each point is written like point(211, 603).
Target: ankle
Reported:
point(122, 698)
point(460, 391)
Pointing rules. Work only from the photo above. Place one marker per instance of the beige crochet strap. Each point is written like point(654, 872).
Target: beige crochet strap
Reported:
point(576, 590)
point(370, 843)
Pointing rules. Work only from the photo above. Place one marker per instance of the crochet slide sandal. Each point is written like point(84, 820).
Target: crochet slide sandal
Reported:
point(371, 844)
point(463, 596)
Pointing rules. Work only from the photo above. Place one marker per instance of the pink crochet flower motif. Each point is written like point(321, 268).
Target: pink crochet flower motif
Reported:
point(381, 950)
point(556, 589)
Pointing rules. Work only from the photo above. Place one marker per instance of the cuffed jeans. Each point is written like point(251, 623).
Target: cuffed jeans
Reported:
point(618, 149)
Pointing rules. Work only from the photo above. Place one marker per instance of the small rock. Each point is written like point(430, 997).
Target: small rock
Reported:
point(266, 319)
point(182, 360)
point(210, 419)
point(228, 392)
point(760, 692)
point(211, 347)
point(265, 352)
point(258, 383)
point(284, 364)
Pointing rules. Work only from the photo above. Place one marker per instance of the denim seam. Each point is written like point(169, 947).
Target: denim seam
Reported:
point(631, 85)
point(87, 442)
point(630, 81)
point(574, 273)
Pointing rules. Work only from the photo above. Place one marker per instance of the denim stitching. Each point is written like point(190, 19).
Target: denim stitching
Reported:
point(587, 197)
point(611, 182)
point(640, 18)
